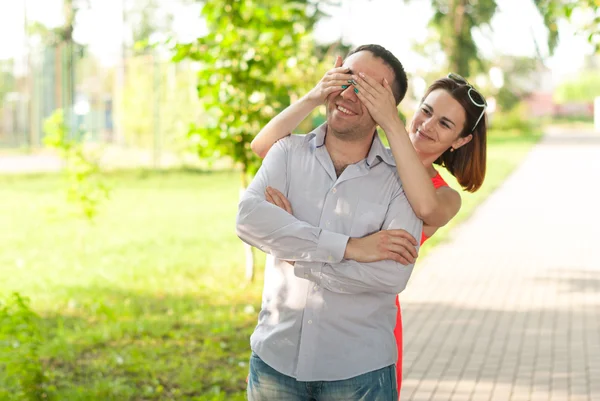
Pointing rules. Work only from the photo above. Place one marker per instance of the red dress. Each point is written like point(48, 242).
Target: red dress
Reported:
point(438, 182)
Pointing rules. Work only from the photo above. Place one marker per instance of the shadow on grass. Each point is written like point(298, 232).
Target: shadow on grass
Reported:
point(110, 343)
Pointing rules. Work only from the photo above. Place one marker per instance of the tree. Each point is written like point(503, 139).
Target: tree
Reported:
point(454, 20)
point(553, 10)
point(255, 56)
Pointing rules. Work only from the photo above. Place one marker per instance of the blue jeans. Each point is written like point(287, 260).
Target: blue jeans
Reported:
point(267, 384)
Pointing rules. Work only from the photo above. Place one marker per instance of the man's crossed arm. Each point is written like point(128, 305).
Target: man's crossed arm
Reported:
point(334, 260)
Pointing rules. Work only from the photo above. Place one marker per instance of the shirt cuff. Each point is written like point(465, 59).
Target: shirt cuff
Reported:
point(332, 246)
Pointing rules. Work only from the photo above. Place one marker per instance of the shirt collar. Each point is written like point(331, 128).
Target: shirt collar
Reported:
point(378, 151)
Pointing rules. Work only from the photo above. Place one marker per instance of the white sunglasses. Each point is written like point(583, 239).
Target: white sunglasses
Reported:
point(457, 78)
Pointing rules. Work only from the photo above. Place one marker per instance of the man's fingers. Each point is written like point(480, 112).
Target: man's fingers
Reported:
point(403, 234)
point(402, 251)
point(269, 198)
point(273, 198)
point(397, 258)
point(283, 202)
point(277, 200)
point(406, 244)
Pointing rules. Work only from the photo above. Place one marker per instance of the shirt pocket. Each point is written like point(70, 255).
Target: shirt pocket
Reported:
point(368, 218)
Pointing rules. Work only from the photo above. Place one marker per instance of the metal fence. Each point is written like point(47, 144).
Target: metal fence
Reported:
point(143, 102)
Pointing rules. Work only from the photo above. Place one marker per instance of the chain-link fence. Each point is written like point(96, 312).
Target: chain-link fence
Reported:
point(144, 103)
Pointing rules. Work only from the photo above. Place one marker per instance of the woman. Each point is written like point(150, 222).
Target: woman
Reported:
point(449, 130)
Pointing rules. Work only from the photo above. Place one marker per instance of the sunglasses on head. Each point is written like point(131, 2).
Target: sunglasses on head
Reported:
point(476, 98)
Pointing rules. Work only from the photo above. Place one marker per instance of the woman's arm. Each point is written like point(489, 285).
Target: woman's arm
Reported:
point(435, 207)
point(285, 122)
point(282, 125)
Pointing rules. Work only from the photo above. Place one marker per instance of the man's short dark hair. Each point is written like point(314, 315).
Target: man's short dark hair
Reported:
point(400, 84)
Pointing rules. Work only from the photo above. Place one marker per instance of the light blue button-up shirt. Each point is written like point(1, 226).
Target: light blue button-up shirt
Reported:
point(326, 318)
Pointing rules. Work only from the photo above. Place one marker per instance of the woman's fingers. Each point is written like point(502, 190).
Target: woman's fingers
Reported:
point(367, 98)
point(338, 62)
point(339, 76)
point(370, 82)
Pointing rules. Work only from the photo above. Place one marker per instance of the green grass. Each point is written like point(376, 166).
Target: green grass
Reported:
point(149, 303)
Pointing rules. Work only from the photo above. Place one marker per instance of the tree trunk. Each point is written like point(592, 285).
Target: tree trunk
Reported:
point(248, 250)
point(457, 61)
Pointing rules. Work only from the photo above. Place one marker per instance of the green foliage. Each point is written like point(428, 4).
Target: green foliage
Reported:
point(517, 73)
point(256, 55)
point(7, 79)
point(513, 120)
point(553, 10)
point(86, 189)
point(584, 88)
point(158, 103)
point(22, 377)
point(453, 22)
point(550, 11)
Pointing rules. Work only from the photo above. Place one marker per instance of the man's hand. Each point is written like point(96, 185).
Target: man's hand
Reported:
point(396, 245)
point(275, 197)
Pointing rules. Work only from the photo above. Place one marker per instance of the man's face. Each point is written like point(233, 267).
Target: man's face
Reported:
point(347, 117)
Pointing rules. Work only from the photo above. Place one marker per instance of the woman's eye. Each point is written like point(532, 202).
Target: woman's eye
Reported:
point(425, 111)
point(445, 125)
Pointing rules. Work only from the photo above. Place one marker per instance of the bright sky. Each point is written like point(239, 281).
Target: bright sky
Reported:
point(390, 23)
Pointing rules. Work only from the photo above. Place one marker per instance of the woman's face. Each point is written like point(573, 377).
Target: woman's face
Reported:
point(437, 124)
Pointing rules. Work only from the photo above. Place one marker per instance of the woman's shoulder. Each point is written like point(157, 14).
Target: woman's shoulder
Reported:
point(438, 181)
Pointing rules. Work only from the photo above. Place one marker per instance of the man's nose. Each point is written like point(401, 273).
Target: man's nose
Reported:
point(349, 94)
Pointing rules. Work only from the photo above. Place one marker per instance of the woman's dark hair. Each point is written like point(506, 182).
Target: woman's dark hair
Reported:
point(466, 163)
point(400, 84)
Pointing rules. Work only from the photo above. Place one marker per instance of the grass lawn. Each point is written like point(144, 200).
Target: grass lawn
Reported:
point(149, 303)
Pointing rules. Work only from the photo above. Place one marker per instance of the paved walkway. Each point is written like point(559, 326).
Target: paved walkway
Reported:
point(510, 309)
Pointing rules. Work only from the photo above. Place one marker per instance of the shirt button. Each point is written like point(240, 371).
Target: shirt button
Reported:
point(328, 223)
point(310, 322)
point(334, 190)
point(305, 275)
point(330, 258)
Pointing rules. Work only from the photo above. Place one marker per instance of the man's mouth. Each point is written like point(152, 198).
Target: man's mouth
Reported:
point(345, 110)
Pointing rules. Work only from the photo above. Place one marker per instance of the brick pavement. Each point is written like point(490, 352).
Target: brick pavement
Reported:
point(510, 308)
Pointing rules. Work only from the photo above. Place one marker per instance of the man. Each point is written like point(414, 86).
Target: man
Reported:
point(325, 330)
